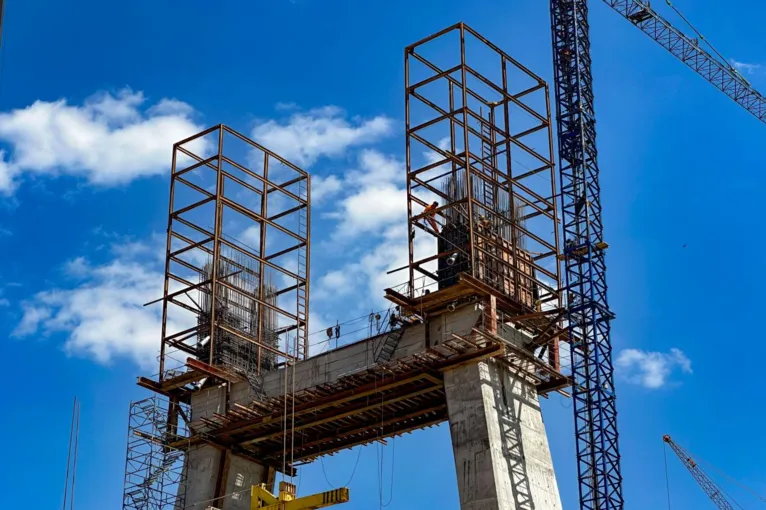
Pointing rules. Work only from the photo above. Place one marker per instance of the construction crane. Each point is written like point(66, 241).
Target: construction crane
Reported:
point(710, 488)
point(588, 314)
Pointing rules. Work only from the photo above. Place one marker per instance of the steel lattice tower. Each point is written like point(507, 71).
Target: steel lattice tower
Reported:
point(598, 458)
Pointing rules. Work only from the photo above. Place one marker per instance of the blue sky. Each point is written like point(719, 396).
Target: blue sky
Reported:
point(92, 96)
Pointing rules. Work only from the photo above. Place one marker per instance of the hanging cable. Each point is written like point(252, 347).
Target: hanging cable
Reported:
point(69, 455)
point(292, 426)
point(74, 463)
point(731, 479)
point(702, 38)
point(667, 477)
point(195, 504)
point(353, 471)
point(284, 432)
point(393, 461)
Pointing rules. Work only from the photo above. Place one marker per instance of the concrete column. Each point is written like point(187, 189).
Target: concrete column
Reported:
point(502, 457)
point(212, 473)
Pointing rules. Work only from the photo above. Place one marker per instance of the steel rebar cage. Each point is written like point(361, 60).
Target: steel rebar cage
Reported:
point(237, 261)
point(481, 186)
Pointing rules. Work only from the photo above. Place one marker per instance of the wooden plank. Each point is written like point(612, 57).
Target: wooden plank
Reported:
point(334, 400)
point(334, 416)
point(397, 419)
point(211, 370)
point(398, 432)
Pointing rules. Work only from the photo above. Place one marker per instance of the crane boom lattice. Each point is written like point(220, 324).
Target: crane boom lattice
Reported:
point(598, 459)
point(721, 74)
point(710, 488)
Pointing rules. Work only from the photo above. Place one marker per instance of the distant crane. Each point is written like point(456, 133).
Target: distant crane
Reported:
point(588, 314)
point(710, 488)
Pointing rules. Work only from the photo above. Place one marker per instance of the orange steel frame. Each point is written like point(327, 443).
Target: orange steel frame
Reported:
point(212, 242)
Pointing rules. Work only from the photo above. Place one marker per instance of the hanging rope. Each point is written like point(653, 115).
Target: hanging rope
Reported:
point(667, 478)
point(730, 478)
point(292, 438)
point(702, 38)
point(353, 471)
point(393, 461)
point(284, 432)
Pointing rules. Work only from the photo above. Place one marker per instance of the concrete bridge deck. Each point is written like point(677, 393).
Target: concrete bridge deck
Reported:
point(448, 369)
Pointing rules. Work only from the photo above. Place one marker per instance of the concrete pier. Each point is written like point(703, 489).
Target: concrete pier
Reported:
point(502, 458)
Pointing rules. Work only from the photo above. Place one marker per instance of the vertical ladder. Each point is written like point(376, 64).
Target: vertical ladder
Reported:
point(302, 291)
point(487, 162)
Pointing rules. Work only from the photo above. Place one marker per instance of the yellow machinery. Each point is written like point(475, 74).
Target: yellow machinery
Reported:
point(261, 498)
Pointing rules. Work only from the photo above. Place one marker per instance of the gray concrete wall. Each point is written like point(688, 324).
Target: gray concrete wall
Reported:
point(243, 474)
point(203, 464)
point(502, 457)
point(202, 468)
point(329, 366)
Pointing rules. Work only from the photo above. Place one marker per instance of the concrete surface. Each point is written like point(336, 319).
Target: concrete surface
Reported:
point(502, 457)
point(501, 450)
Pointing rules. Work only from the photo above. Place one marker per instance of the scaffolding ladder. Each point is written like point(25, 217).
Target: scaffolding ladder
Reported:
point(302, 292)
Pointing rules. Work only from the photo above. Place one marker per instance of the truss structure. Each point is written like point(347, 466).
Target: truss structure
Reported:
point(155, 474)
point(588, 314)
point(237, 266)
point(481, 186)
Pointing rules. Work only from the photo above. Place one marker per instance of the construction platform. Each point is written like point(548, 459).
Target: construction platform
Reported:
point(344, 398)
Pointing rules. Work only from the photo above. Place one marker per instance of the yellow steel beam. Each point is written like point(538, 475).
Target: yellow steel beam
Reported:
point(261, 499)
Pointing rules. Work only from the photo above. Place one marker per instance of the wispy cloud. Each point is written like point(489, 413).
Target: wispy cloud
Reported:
point(102, 314)
point(651, 369)
point(746, 68)
point(109, 139)
point(306, 136)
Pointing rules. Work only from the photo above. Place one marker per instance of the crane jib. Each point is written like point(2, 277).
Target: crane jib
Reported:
point(688, 50)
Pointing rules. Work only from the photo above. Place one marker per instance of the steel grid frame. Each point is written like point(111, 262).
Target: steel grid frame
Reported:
point(155, 474)
point(479, 165)
point(187, 234)
point(588, 314)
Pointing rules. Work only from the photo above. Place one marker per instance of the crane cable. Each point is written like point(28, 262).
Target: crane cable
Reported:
point(697, 460)
point(667, 477)
point(730, 478)
point(702, 38)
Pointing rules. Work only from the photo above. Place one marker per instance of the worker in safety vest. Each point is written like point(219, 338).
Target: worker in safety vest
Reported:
point(430, 212)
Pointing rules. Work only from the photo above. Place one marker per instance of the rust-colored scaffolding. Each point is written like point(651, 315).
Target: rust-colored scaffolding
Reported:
point(238, 224)
point(480, 181)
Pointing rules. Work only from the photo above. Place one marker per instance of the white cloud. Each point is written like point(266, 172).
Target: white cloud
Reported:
point(651, 369)
point(323, 188)
point(76, 268)
point(745, 68)
point(370, 209)
point(103, 317)
point(307, 136)
point(376, 202)
point(367, 277)
point(108, 140)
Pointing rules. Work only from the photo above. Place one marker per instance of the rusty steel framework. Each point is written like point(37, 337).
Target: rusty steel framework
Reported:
point(237, 256)
point(479, 145)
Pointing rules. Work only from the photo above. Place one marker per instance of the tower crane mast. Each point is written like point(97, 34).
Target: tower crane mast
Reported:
point(710, 488)
point(585, 288)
